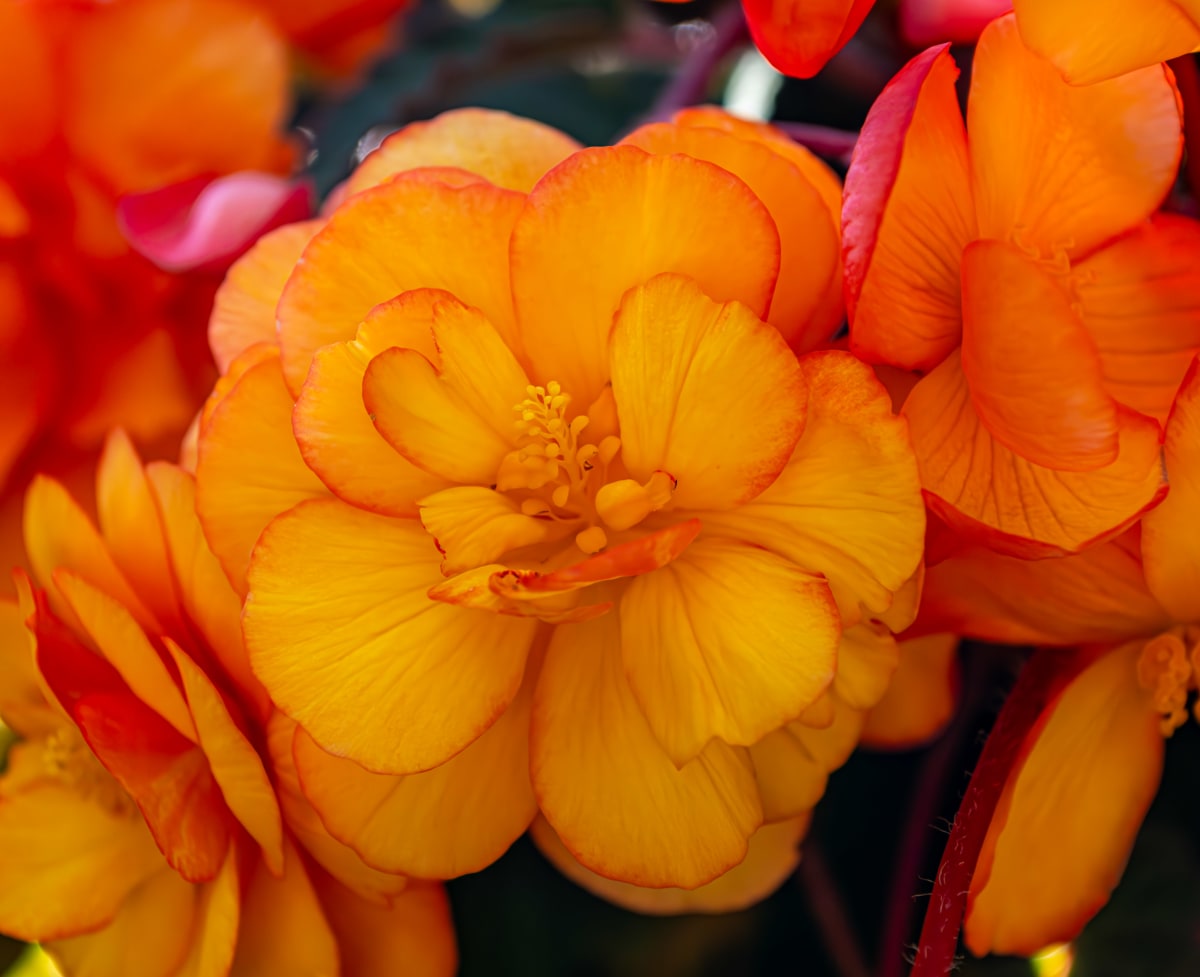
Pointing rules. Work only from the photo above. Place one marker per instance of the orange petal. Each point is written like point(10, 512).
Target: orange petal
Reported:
point(1050, 409)
point(23, 704)
point(619, 804)
point(249, 468)
point(1078, 168)
point(68, 861)
point(417, 231)
point(1091, 40)
point(773, 855)
point(1098, 595)
point(235, 764)
point(244, 308)
point(611, 218)
point(707, 393)
point(727, 642)
point(473, 526)
point(907, 216)
point(988, 494)
point(456, 818)
point(215, 932)
point(29, 82)
point(225, 63)
point(1169, 537)
point(333, 429)
point(342, 633)
point(1140, 301)
point(504, 149)
point(339, 860)
point(848, 503)
point(283, 928)
point(808, 234)
point(921, 698)
point(416, 928)
point(799, 36)
point(454, 418)
point(148, 937)
point(1068, 816)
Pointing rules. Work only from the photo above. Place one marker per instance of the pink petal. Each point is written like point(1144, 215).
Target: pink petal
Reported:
point(925, 22)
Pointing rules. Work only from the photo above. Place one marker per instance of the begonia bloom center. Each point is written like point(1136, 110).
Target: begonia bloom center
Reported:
point(67, 758)
point(1169, 669)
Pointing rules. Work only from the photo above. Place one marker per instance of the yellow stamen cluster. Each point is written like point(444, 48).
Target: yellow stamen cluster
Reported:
point(67, 758)
point(1169, 669)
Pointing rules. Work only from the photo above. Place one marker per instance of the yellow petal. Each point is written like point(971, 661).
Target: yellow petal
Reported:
point(705, 392)
point(921, 698)
point(341, 631)
point(215, 933)
point(728, 642)
point(473, 526)
point(612, 794)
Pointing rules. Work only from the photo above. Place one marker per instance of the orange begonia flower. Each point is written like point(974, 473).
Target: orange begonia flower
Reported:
point(1093, 40)
point(137, 810)
point(1051, 315)
point(1090, 768)
point(535, 508)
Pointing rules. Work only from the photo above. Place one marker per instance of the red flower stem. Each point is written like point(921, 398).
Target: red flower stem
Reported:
point(822, 140)
point(1187, 78)
point(1040, 681)
point(690, 84)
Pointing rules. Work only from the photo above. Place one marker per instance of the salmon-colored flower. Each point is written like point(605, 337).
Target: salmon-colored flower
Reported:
point(1090, 768)
point(140, 830)
point(537, 510)
point(1090, 41)
point(1050, 312)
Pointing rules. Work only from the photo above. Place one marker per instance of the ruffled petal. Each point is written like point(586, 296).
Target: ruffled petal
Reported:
point(215, 933)
point(504, 149)
point(989, 494)
point(1170, 540)
point(907, 216)
point(1068, 816)
point(341, 631)
point(611, 218)
point(425, 229)
point(773, 855)
point(1140, 301)
point(612, 794)
point(799, 36)
point(707, 393)
point(473, 526)
point(1051, 409)
point(728, 642)
point(1061, 169)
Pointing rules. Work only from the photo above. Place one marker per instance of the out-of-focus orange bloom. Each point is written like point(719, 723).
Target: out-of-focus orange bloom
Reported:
point(925, 22)
point(140, 832)
point(1089, 770)
point(338, 35)
point(1051, 312)
point(618, 602)
point(1092, 40)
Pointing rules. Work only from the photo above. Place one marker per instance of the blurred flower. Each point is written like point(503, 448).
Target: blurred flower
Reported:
point(1051, 313)
point(1090, 42)
point(537, 510)
point(1072, 808)
point(140, 831)
point(924, 22)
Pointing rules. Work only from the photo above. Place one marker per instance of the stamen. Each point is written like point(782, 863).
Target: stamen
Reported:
point(1164, 670)
point(67, 758)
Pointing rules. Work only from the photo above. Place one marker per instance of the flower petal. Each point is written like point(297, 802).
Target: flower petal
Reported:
point(454, 819)
point(1140, 301)
point(249, 468)
point(611, 218)
point(810, 257)
point(504, 149)
point(1069, 813)
point(773, 855)
point(1169, 537)
point(988, 494)
point(799, 36)
point(417, 231)
point(1051, 409)
point(1092, 40)
point(707, 393)
point(619, 804)
point(920, 700)
point(244, 308)
point(728, 642)
point(341, 631)
point(453, 418)
point(848, 503)
point(331, 423)
point(907, 216)
point(215, 932)
point(1060, 168)
point(473, 526)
